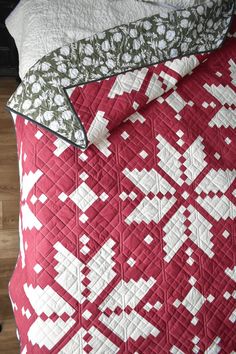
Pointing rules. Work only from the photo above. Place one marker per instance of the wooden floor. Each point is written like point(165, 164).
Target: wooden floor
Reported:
point(9, 200)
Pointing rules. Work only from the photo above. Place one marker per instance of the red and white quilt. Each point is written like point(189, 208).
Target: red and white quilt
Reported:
point(128, 246)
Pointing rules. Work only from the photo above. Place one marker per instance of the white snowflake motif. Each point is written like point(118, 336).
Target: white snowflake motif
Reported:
point(85, 283)
point(226, 116)
point(161, 196)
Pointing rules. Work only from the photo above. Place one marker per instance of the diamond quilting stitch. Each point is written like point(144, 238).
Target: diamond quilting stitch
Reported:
point(187, 222)
point(70, 269)
point(225, 116)
point(142, 282)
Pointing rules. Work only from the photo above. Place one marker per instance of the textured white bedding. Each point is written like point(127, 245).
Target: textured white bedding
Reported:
point(38, 27)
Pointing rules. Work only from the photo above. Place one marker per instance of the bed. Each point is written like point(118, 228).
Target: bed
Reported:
point(125, 122)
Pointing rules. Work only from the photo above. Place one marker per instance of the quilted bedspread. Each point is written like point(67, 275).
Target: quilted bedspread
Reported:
point(127, 244)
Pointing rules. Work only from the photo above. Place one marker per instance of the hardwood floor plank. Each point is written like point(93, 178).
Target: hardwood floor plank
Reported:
point(8, 343)
point(9, 243)
point(8, 155)
point(6, 125)
point(10, 214)
point(9, 211)
point(1, 214)
point(7, 267)
point(7, 139)
point(9, 182)
point(7, 86)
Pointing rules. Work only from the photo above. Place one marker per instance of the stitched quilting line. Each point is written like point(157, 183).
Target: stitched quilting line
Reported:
point(79, 109)
point(178, 259)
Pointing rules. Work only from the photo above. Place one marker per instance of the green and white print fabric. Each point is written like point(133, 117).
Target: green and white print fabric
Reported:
point(42, 95)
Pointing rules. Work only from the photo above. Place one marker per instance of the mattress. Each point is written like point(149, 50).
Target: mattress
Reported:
point(127, 161)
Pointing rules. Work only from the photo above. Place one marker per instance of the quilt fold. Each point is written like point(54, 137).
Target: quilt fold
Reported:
point(42, 96)
point(132, 91)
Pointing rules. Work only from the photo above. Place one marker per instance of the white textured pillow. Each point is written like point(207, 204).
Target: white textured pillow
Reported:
point(38, 27)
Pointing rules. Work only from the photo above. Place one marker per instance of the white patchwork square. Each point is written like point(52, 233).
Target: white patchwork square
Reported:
point(27, 313)
point(227, 295)
point(125, 135)
point(213, 105)
point(192, 281)
point(180, 133)
point(133, 195)
point(83, 156)
point(195, 340)
point(87, 314)
point(226, 234)
point(38, 135)
point(84, 176)
point(83, 218)
point(190, 261)
point(147, 307)
point(37, 268)
point(131, 262)
point(176, 303)
point(175, 350)
point(228, 141)
point(160, 100)
point(135, 105)
point(189, 251)
point(182, 209)
point(205, 105)
point(210, 298)
point(33, 199)
point(176, 101)
point(158, 305)
point(196, 349)
point(185, 195)
point(178, 116)
point(194, 321)
point(85, 249)
point(217, 156)
point(103, 196)
point(83, 197)
point(143, 154)
point(63, 197)
point(123, 196)
point(180, 142)
point(43, 198)
point(148, 239)
point(84, 239)
point(193, 301)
